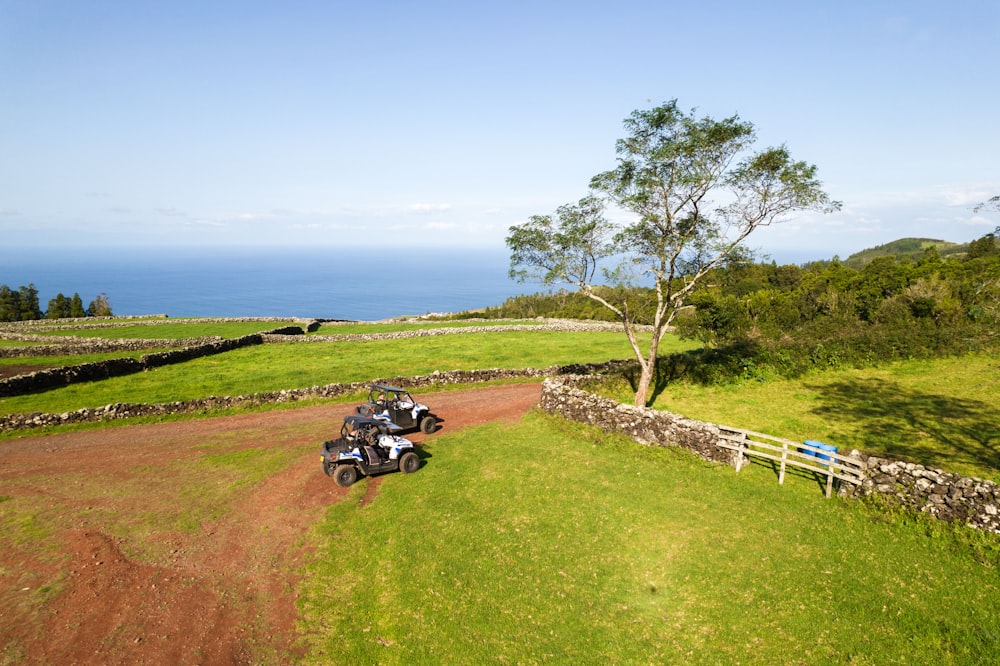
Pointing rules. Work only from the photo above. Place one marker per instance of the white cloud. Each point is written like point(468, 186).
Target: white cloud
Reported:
point(207, 222)
point(964, 195)
point(423, 208)
point(169, 212)
point(440, 226)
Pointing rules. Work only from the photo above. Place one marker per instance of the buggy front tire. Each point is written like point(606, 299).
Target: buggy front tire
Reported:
point(428, 425)
point(345, 475)
point(409, 462)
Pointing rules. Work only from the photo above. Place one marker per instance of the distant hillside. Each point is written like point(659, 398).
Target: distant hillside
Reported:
point(913, 248)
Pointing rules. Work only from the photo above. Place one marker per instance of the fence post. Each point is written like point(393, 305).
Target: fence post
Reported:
point(784, 457)
point(739, 451)
point(829, 475)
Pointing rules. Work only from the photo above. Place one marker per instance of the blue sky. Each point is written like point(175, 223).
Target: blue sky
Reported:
point(428, 124)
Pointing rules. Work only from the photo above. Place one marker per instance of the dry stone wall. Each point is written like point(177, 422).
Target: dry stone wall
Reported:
point(69, 345)
point(116, 367)
point(937, 493)
point(74, 346)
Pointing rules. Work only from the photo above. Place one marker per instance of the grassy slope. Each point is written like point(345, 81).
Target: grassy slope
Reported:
point(550, 542)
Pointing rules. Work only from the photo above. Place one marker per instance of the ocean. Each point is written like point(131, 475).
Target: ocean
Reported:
point(334, 283)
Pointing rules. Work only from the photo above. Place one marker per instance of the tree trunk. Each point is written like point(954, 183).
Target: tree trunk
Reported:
point(642, 388)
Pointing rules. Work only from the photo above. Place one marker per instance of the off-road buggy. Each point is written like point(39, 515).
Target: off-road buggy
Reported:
point(397, 406)
point(367, 446)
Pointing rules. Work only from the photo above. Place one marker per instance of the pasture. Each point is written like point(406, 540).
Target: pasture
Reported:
point(528, 541)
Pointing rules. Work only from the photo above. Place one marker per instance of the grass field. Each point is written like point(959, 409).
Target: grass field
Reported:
point(550, 542)
point(283, 366)
point(943, 413)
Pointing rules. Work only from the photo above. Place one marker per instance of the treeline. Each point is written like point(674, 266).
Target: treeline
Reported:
point(564, 304)
point(763, 320)
point(23, 305)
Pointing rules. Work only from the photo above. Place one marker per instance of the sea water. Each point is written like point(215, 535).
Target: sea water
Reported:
point(334, 283)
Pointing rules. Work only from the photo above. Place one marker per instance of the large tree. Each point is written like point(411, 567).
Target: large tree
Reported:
point(694, 190)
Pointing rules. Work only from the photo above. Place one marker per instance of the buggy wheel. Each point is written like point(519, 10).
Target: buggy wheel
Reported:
point(345, 475)
point(428, 425)
point(328, 468)
point(409, 462)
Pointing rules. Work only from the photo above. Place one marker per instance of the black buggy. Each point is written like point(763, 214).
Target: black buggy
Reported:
point(367, 446)
point(397, 406)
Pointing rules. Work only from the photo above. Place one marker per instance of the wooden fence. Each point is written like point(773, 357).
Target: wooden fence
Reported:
point(803, 455)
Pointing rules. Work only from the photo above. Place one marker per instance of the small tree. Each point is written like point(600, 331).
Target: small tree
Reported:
point(58, 307)
point(10, 304)
point(696, 193)
point(28, 300)
point(76, 306)
point(100, 307)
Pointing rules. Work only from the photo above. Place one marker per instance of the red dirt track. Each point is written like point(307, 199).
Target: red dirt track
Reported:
point(223, 593)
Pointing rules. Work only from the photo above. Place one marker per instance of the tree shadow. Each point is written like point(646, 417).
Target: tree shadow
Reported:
point(704, 366)
point(887, 419)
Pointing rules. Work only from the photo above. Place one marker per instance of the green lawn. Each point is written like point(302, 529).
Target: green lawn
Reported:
point(943, 413)
point(548, 541)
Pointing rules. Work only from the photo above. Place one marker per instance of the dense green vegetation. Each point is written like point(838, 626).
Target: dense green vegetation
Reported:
point(565, 304)
point(620, 553)
point(767, 320)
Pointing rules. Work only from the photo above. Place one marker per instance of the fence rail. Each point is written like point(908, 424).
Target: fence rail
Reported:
point(800, 455)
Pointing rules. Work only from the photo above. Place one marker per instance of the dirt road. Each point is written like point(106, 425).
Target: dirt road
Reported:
point(222, 592)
